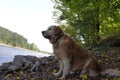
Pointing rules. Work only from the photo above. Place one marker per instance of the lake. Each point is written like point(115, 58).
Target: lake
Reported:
point(7, 53)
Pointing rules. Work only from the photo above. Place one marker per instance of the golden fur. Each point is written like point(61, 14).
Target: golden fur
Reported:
point(70, 55)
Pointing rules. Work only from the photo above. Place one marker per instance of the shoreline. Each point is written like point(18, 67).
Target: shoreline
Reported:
point(7, 53)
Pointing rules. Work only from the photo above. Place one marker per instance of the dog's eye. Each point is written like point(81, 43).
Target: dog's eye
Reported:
point(49, 29)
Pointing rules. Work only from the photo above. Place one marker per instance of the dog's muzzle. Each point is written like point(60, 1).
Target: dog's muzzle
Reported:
point(45, 35)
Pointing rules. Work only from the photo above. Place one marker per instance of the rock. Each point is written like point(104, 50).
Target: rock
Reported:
point(5, 66)
point(23, 62)
point(33, 68)
point(13, 68)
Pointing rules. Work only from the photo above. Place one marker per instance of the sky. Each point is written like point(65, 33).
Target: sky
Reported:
point(28, 18)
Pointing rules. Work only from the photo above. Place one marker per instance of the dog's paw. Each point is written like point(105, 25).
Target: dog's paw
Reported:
point(62, 78)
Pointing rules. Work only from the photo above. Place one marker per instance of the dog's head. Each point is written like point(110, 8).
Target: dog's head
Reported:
point(53, 33)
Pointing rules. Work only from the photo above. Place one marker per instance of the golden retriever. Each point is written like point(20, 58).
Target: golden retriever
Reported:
point(70, 55)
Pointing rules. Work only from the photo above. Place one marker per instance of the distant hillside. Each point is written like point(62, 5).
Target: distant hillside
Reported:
point(11, 38)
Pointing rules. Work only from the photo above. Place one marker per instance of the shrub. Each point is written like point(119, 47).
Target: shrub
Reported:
point(111, 41)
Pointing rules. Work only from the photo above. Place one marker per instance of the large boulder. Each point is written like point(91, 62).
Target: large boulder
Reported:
point(21, 62)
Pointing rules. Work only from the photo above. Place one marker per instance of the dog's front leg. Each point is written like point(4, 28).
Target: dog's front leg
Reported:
point(66, 68)
point(61, 68)
point(84, 70)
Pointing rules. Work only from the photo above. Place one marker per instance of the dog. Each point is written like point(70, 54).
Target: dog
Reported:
point(70, 55)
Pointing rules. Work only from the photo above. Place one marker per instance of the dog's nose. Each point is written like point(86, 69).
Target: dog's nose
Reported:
point(43, 32)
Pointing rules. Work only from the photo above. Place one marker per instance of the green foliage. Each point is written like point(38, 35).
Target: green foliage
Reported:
point(89, 19)
point(16, 40)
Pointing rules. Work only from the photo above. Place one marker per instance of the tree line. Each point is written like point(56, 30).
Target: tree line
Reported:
point(11, 38)
point(88, 21)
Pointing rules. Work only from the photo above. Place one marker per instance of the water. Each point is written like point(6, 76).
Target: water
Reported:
point(7, 53)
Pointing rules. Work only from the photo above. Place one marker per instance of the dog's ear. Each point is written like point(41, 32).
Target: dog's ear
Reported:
point(58, 31)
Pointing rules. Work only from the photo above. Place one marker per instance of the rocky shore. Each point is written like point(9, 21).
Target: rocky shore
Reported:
point(34, 68)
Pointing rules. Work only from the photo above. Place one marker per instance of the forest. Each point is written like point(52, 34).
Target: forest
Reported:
point(90, 22)
point(13, 39)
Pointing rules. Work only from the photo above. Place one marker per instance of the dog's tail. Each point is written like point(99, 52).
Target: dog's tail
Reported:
point(111, 72)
